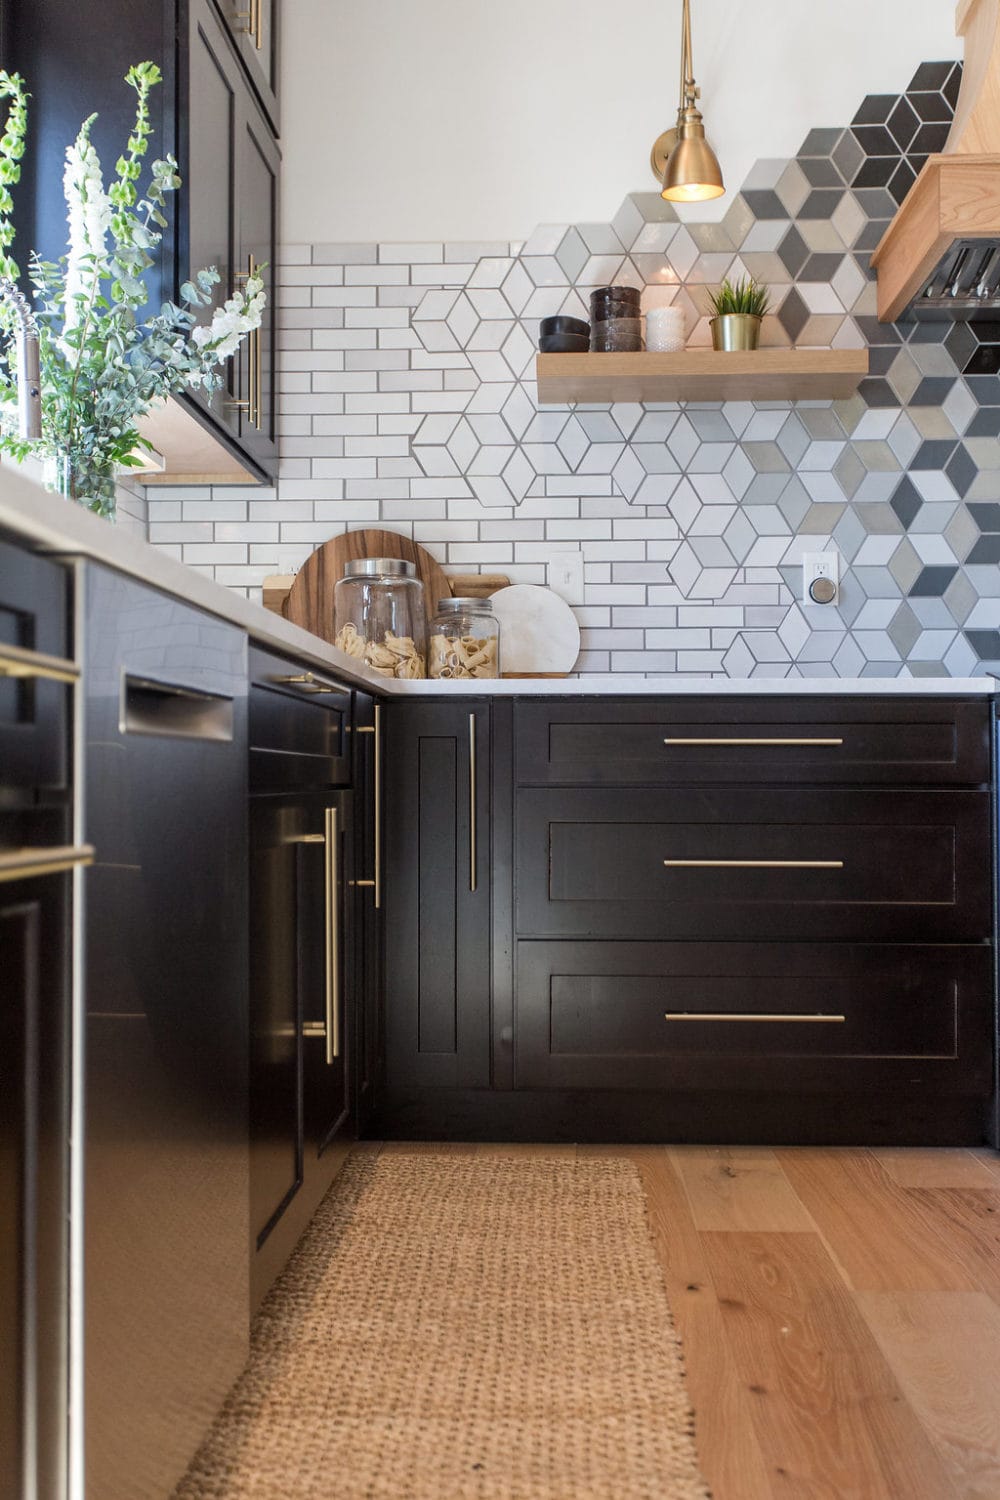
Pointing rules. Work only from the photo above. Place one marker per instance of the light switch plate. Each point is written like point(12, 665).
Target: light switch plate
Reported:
point(565, 575)
point(816, 565)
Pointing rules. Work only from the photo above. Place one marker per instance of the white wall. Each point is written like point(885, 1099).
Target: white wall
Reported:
point(479, 119)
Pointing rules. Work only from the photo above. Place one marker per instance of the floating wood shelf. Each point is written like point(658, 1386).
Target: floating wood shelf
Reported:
point(701, 375)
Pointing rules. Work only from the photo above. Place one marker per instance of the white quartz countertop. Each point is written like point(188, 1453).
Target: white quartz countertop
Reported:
point(61, 529)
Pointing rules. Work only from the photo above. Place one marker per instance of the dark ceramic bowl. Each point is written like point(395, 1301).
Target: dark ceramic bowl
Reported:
point(605, 326)
point(602, 311)
point(563, 343)
point(623, 293)
point(562, 323)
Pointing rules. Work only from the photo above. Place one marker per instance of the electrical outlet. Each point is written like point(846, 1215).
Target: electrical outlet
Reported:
point(565, 575)
point(820, 577)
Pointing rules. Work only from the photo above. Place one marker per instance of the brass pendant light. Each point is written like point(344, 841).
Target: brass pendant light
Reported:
point(682, 160)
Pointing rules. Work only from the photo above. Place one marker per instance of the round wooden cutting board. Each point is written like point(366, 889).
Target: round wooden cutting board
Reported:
point(310, 600)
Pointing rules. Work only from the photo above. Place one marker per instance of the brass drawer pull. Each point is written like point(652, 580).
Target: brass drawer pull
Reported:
point(754, 864)
point(31, 864)
point(332, 937)
point(702, 741)
point(15, 661)
point(378, 805)
point(307, 682)
point(473, 852)
point(708, 1015)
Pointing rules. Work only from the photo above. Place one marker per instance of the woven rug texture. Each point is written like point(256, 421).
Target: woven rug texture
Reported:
point(463, 1325)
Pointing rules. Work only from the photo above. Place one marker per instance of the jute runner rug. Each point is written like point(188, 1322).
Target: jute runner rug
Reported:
point(458, 1325)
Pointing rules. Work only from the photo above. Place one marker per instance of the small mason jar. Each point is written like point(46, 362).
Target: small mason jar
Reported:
point(464, 640)
point(379, 617)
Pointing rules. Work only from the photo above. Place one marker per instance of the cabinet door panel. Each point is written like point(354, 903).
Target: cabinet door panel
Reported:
point(210, 142)
point(34, 713)
point(257, 226)
point(698, 741)
point(438, 894)
point(253, 26)
point(692, 1016)
point(764, 864)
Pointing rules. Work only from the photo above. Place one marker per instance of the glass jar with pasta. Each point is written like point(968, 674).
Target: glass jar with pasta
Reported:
point(379, 616)
point(464, 641)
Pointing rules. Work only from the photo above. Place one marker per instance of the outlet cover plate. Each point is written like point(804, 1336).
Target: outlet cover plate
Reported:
point(820, 565)
point(565, 575)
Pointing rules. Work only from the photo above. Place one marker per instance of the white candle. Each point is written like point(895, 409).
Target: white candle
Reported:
point(665, 330)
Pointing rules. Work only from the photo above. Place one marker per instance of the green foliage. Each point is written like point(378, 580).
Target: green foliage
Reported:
point(744, 296)
point(105, 360)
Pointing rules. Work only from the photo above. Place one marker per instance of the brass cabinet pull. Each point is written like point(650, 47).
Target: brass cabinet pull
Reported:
point(259, 27)
point(314, 1029)
point(307, 682)
point(255, 22)
point(32, 864)
point(708, 1015)
point(332, 937)
point(754, 864)
point(378, 805)
point(15, 661)
point(727, 741)
point(473, 860)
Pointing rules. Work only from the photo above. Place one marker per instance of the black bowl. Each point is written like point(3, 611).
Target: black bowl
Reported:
point(615, 294)
point(563, 343)
point(612, 308)
point(562, 323)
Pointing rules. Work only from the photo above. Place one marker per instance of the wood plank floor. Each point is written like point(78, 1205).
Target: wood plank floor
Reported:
point(840, 1311)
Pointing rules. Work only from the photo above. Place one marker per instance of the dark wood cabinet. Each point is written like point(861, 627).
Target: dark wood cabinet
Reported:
point(208, 115)
point(713, 918)
point(34, 1182)
point(304, 951)
point(34, 710)
point(369, 783)
point(437, 897)
point(253, 27)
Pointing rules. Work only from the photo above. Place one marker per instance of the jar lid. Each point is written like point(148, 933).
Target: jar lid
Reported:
point(453, 606)
point(372, 567)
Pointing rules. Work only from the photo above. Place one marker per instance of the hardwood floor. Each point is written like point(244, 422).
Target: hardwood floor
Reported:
point(840, 1311)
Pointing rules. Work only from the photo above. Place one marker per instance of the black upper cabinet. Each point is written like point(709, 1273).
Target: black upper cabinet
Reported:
point(207, 114)
point(253, 26)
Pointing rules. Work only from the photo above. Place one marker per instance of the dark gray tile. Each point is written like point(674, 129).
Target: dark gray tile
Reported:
point(953, 85)
point(820, 267)
point(820, 172)
point(985, 643)
point(933, 454)
point(878, 203)
point(906, 502)
point(764, 204)
point(931, 107)
point(904, 123)
point(985, 389)
point(931, 581)
point(793, 252)
point(821, 204)
point(986, 514)
point(847, 155)
point(877, 393)
point(933, 390)
point(875, 140)
point(819, 143)
point(985, 423)
point(984, 361)
point(930, 138)
point(876, 109)
point(875, 171)
point(930, 75)
point(986, 550)
point(793, 315)
point(902, 180)
point(961, 470)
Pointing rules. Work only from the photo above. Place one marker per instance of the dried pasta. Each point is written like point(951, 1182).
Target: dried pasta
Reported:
point(394, 656)
point(462, 656)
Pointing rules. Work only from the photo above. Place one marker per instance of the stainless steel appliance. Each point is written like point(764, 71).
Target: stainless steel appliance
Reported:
point(37, 859)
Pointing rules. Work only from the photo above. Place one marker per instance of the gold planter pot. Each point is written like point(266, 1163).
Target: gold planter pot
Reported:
point(735, 331)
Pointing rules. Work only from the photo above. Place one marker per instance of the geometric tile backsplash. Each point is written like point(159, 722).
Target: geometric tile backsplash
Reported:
point(408, 400)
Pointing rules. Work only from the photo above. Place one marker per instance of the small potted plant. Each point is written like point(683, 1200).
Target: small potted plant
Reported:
point(738, 308)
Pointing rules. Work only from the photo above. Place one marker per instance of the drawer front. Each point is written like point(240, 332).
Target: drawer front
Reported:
point(692, 741)
point(735, 1015)
point(35, 705)
point(759, 865)
point(300, 726)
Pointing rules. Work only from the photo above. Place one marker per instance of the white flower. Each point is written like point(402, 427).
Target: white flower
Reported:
point(89, 216)
point(239, 315)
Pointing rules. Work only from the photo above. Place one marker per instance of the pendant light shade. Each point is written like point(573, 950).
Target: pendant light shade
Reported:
point(684, 161)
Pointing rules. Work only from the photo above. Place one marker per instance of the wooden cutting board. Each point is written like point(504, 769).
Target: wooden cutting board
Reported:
point(310, 600)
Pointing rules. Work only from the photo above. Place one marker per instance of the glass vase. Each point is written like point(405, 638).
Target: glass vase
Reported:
point(79, 478)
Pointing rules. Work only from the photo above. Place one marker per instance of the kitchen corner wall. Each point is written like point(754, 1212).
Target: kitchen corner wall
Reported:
point(408, 401)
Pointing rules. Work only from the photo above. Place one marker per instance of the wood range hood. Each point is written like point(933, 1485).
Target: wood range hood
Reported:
point(940, 256)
